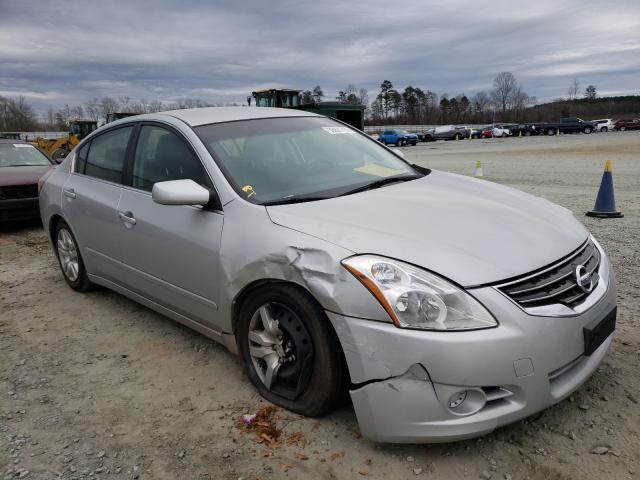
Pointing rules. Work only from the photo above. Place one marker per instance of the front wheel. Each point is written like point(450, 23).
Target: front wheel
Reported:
point(622, 129)
point(400, 143)
point(604, 129)
point(290, 350)
point(551, 131)
point(70, 259)
point(587, 130)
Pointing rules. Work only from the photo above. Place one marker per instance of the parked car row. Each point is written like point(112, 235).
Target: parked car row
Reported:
point(401, 137)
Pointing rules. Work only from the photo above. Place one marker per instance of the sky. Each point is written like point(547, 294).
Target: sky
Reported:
point(65, 52)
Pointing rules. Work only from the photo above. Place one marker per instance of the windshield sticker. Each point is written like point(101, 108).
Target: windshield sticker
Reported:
point(378, 170)
point(248, 189)
point(23, 145)
point(337, 130)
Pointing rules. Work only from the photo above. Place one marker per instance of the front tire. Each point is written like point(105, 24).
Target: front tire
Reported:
point(587, 130)
point(290, 350)
point(400, 143)
point(70, 259)
point(551, 131)
point(622, 129)
point(604, 129)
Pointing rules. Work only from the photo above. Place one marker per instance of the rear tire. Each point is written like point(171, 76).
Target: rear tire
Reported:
point(290, 350)
point(70, 259)
point(622, 129)
point(551, 131)
point(59, 154)
point(604, 129)
point(400, 143)
point(587, 130)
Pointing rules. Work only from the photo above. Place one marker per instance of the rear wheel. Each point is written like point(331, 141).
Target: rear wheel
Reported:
point(604, 129)
point(587, 130)
point(58, 154)
point(457, 136)
point(290, 351)
point(69, 258)
point(622, 129)
point(551, 131)
point(400, 142)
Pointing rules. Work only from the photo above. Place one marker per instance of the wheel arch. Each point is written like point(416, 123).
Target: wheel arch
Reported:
point(247, 290)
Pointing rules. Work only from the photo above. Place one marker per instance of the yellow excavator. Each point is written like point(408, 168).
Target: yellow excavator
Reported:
point(58, 148)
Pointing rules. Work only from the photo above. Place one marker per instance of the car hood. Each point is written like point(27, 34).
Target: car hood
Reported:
point(27, 175)
point(471, 231)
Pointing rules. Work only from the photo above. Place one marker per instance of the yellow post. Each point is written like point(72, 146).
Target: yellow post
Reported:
point(519, 133)
point(479, 173)
point(607, 166)
point(558, 132)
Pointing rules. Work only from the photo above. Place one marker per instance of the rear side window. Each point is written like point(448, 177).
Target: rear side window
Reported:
point(161, 155)
point(107, 153)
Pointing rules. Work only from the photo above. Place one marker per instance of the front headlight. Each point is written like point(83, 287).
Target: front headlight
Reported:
point(415, 298)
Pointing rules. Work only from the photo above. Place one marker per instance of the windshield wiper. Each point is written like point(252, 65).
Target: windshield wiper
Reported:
point(293, 199)
point(380, 183)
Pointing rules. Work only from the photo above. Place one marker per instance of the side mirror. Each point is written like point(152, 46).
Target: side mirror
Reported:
point(398, 152)
point(180, 192)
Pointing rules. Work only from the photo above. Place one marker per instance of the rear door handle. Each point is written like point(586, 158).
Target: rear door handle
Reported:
point(69, 192)
point(127, 217)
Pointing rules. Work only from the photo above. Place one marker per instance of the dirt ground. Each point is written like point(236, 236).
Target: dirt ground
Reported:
point(97, 386)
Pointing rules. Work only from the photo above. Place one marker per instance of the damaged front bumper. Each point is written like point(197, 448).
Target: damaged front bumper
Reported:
point(423, 386)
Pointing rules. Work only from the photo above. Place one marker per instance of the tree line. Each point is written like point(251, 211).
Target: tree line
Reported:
point(507, 101)
point(17, 115)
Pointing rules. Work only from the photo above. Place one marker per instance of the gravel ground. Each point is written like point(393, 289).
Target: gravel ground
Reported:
point(96, 386)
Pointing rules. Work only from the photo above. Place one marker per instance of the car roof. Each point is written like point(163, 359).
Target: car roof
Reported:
point(207, 115)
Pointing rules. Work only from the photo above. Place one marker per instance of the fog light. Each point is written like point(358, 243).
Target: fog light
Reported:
point(457, 399)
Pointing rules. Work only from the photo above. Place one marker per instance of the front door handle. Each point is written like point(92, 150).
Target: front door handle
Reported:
point(127, 217)
point(69, 192)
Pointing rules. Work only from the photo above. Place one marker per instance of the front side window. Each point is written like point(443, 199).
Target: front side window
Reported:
point(81, 158)
point(161, 155)
point(106, 156)
point(274, 159)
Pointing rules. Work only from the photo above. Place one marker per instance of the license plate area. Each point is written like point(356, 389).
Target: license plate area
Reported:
point(597, 332)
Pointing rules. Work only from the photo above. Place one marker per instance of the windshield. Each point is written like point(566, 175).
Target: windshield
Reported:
point(274, 159)
point(21, 155)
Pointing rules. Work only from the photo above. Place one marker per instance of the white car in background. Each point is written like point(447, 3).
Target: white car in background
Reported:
point(604, 124)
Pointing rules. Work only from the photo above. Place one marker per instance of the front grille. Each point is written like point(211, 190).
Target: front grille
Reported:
point(556, 284)
point(16, 192)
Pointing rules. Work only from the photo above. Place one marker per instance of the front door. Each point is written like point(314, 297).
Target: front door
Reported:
point(90, 200)
point(171, 252)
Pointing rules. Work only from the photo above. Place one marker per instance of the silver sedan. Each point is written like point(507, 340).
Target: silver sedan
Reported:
point(445, 306)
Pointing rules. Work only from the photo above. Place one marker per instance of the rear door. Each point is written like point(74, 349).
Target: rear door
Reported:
point(171, 252)
point(90, 200)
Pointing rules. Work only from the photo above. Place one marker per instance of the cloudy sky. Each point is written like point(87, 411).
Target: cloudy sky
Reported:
point(56, 52)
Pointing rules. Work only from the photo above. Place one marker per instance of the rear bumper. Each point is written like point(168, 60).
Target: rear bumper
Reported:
point(19, 209)
point(404, 380)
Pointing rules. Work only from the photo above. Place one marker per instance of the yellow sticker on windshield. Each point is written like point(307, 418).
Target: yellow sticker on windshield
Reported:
point(248, 189)
point(378, 170)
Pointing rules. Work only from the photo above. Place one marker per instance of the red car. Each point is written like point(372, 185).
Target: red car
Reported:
point(623, 125)
point(21, 166)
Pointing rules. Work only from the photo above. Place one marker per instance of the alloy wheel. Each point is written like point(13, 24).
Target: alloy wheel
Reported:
point(68, 255)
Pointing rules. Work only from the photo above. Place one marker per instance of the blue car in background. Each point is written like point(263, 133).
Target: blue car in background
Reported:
point(398, 137)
